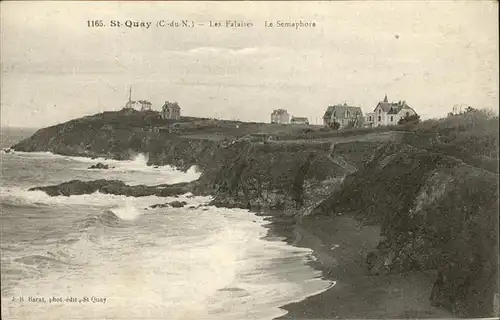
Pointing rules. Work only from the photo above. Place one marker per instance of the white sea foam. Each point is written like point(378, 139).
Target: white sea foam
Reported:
point(212, 265)
point(17, 195)
point(169, 263)
point(120, 168)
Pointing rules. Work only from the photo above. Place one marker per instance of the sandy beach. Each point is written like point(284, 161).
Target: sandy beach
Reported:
point(340, 246)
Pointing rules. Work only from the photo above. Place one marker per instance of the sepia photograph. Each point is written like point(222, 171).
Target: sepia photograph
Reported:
point(266, 160)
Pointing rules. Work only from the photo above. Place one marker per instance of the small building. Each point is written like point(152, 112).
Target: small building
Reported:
point(389, 113)
point(344, 115)
point(145, 105)
point(142, 105)
point(299, 120)
point(171, 110)
point(369, 119)
point(280, 116)
point(131, 104)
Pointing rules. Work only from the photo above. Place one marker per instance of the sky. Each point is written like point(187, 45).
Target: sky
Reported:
point(433, 55)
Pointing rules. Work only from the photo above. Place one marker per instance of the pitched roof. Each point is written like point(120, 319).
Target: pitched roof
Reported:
point(171, 105)
point(392, 107)
point(279, 111)
point(340, 110)
point(385, 106)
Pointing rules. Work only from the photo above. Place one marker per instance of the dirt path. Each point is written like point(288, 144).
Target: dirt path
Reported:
point(339, 160)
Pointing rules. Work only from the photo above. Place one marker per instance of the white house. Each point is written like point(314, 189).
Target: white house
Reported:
point(142, 105)
point(280, 116)
point(145, 105)
point(388, 113)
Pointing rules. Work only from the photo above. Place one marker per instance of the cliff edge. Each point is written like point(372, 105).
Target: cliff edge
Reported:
point(432, 187)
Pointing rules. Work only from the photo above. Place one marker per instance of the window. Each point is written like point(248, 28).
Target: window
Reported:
point(379, 118)
point(370, 118)
point(392, 118)
point(379, 111)
point(407, 114)
point(334, 114)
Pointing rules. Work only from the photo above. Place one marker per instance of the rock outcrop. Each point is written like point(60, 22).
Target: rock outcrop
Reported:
point(436, 212)
point(100, 165)
point(173, 204)
point(78, 187)
point(434, 189)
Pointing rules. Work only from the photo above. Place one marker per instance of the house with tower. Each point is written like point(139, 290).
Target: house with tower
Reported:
point(388, 113)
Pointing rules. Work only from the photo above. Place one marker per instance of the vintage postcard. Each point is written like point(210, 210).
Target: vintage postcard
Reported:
point(249, 160)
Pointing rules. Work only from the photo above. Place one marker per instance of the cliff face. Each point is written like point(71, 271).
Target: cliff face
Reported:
point(436, 212)
point(252, 175)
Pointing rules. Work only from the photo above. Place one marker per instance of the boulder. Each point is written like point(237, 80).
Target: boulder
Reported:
point(177, 204)
point(99, 166)
point(173, 204)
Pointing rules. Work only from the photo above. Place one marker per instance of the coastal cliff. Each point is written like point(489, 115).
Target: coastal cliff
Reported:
point(432, 187)
point(436, 213)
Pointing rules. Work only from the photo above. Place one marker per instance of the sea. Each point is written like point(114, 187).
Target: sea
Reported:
point(101, 256)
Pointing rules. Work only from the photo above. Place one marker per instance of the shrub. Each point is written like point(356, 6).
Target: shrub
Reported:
point(334, 125)
point(414, 118)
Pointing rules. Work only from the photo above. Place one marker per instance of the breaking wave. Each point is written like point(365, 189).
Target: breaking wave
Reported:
point(139, 164)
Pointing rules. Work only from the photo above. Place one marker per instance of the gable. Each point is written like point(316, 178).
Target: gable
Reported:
point(377, 108)
point(329, 112)
point(403, 111)
point(339, 111)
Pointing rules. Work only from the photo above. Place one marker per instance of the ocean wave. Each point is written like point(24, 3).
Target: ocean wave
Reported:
point(111, 217)
point(123, 206)
point(139, 162)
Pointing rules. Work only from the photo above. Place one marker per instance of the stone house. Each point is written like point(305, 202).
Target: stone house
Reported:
point(171, 110)
point(344, 115)
point(299, 120)
point(388, 113)
point(280, 116)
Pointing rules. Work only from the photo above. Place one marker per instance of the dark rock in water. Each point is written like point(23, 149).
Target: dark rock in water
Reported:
point(178, 204)
point(173, 204)
point(99, 166)
point(77, 187)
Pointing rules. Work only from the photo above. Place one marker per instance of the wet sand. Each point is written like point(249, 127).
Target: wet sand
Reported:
point(340, 246)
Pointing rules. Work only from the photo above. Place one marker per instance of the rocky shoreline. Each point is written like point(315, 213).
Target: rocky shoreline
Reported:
point(436, 208)
point(115, 187)
point(340, 245)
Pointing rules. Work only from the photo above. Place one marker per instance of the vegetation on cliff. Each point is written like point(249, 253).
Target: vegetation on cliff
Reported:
point(438, 208)
point(432, 186)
